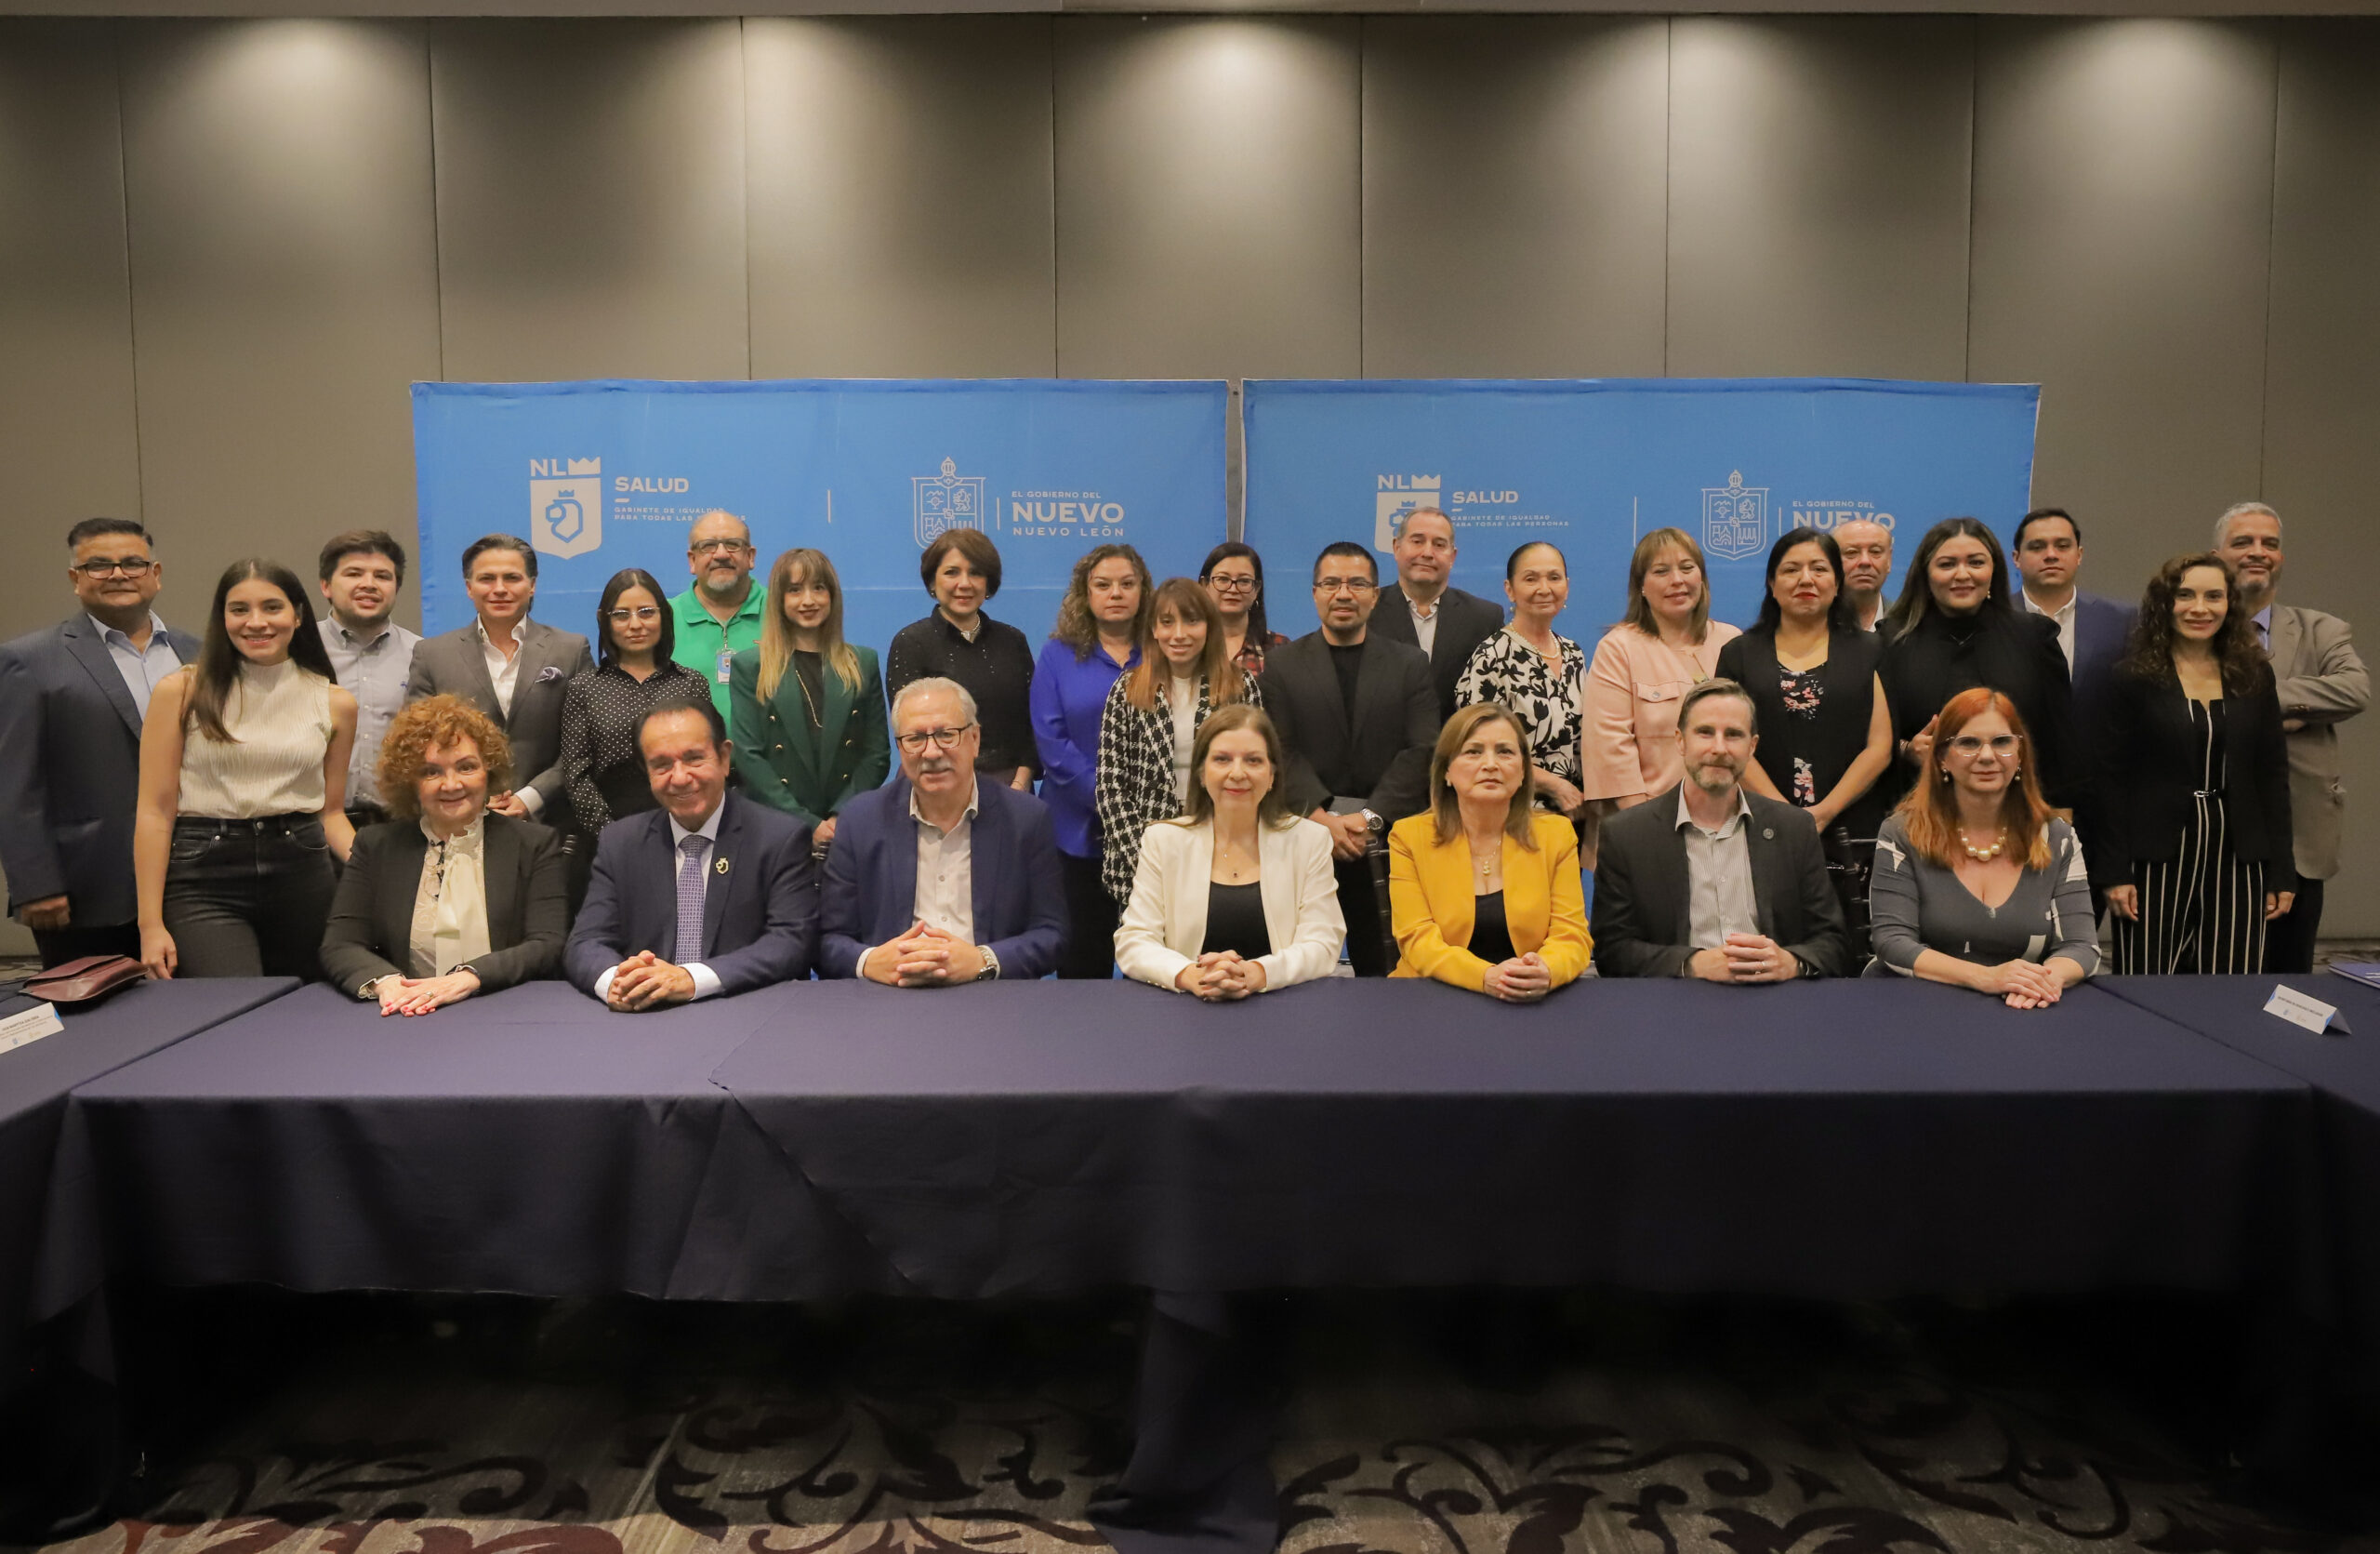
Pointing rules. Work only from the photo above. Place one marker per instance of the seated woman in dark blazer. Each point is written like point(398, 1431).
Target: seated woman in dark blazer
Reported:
point(805, 708)
point(1826, 734)
point(2197, 857)
point(447, 899)
point(1483, 887)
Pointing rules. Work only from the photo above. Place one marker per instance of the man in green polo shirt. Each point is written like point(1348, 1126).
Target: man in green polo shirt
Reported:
point(720, 616)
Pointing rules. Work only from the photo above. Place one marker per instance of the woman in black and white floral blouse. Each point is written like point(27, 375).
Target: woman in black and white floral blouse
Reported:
point(1535, 673)
point(602, 708)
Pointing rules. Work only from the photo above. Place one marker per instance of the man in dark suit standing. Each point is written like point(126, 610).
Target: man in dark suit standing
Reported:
point(1709, 881)
point(1357, 716)
point(711, 894)
point(2046, 549)
point(1420, 610)
point(72, 700)
point(512, 668)
point(938, 878)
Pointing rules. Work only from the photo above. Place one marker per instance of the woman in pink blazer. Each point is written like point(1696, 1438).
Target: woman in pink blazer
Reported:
point(1644, 667)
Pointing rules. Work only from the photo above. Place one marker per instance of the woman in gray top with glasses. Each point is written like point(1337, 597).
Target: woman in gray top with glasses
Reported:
point(1978, 882)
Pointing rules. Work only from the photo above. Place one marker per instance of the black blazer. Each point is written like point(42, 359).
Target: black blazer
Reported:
point(1382, 755)
point(2016, 654)
point(759, 915)
point(2151, 758)
point(70, 771)
point(370, 932)
point(1643, 906)
point(1464, 621)
point(1831, 741)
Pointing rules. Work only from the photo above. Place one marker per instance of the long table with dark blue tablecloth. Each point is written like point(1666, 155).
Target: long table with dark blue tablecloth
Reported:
point(43, 1185)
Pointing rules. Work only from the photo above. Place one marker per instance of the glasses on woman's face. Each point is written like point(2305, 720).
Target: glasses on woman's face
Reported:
point(940, 739)
point(642, 615)
point(1223, 582)
point(1971, 745)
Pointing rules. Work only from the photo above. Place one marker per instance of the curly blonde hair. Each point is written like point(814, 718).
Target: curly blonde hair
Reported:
point(432, 721)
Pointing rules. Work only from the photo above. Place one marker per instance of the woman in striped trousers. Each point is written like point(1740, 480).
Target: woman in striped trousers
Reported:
point(2196, 857)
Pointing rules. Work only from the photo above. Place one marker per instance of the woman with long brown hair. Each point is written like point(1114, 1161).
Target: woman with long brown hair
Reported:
point(1978, 882)
point(1152, 720)
point(1097, 638)
point(805, 708)
point(1236, 896)
point(1664, 646)
point(2196, 859)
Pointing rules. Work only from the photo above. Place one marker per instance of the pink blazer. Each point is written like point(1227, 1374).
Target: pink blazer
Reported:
point(1630, 704)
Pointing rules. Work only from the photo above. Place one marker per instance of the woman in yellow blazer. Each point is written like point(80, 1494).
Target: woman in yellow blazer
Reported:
point(1483, 889)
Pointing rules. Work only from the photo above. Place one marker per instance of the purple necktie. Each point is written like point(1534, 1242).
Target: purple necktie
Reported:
point(690, 898)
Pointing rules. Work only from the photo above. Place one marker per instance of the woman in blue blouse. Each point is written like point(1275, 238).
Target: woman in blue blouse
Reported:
point(1096, 639)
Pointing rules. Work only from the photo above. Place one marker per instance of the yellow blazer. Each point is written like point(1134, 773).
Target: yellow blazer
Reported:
point(1430, 901)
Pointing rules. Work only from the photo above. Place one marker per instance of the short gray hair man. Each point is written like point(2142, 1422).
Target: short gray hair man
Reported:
point(929, 685)
point(2240, 510)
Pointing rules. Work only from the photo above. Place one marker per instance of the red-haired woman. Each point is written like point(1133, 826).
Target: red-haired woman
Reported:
point(1978, 882)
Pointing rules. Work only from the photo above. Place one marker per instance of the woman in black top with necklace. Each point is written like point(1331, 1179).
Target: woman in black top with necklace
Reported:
point(1957, 626)
point(1826, 735)
point(603, 706)
point(962, 569)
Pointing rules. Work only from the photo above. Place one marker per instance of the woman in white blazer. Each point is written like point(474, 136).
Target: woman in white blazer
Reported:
point(1237, 896)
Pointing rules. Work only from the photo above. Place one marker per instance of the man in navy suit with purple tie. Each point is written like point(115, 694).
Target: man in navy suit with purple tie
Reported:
point(711, 895)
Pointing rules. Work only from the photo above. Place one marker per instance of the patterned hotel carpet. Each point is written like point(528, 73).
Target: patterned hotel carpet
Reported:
point(879, 1429)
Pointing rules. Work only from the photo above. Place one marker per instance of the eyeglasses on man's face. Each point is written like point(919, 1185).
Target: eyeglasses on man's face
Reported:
point(1971, 745)
point(1357, 586)
point(940, 739)
point(717, 547)
point(131, 566)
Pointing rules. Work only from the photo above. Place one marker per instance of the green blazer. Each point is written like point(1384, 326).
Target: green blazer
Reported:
point(789, 765)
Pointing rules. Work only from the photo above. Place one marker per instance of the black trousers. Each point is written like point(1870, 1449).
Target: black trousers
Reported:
point(1093, 914)
point(2289, 938)
point(248, 898)
point(58, 945)
point(1367, 915)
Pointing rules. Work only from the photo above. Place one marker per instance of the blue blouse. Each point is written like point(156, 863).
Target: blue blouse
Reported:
point(1069, 695)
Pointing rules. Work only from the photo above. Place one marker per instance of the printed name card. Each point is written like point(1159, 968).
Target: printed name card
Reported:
point(2301, 1009)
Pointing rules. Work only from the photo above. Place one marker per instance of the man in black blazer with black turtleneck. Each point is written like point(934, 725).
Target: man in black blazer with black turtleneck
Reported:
point(1421, 604)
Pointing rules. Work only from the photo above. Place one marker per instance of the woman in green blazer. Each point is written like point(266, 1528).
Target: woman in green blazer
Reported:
point(806, 709)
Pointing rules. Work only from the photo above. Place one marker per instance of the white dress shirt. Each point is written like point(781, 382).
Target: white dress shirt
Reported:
point(706, 980)
point(505, 672)
point(1425, 621)
point(1718, 875)
point(143, 667)
point(2064, 615)
point(946, 889)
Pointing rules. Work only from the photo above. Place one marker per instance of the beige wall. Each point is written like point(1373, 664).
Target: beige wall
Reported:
point(226, 247)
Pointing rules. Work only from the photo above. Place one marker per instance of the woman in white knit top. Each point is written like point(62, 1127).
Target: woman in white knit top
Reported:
point(244, 789)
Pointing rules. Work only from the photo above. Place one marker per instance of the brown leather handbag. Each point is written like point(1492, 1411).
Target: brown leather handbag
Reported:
point(87, 980)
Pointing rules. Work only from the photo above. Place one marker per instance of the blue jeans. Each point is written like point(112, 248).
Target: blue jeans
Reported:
point(249, 897)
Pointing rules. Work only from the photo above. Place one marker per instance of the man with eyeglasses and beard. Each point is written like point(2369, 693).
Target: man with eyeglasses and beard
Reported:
point(73, 697)
point(938, 879)
point(719, 616)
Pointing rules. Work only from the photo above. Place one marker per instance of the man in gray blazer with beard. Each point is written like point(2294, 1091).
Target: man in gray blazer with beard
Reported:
point(512, 668)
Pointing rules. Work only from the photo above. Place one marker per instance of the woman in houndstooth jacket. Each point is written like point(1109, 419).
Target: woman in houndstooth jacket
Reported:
point(1152, 720)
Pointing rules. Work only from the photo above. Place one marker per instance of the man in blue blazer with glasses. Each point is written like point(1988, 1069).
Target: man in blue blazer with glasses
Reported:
point(936, 878)
point(709, 895)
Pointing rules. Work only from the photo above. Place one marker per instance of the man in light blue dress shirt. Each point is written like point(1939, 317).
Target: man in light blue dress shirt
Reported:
point(363, 573)
point(73, 697)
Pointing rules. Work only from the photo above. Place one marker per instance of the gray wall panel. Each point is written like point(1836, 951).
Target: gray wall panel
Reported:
point(285, 281)
point(67, 433)
point(2124, 195)
point(2322, 410)
point(1515, 174)
point(901, 203)
point(590, 198)
point(1819, 196)
point(1208, 204)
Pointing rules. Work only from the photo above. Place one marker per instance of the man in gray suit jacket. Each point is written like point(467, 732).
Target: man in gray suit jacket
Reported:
point(2322, 683)
point(72, 700)
point(510, 666)
point(1709, 881)
point(1421, 605)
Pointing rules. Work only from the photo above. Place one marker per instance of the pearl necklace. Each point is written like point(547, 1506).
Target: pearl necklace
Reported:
point(1984, 854)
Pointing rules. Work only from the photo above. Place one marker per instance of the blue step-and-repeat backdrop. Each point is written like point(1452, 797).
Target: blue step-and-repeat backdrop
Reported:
point(605, 476)
point(1590, 464)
